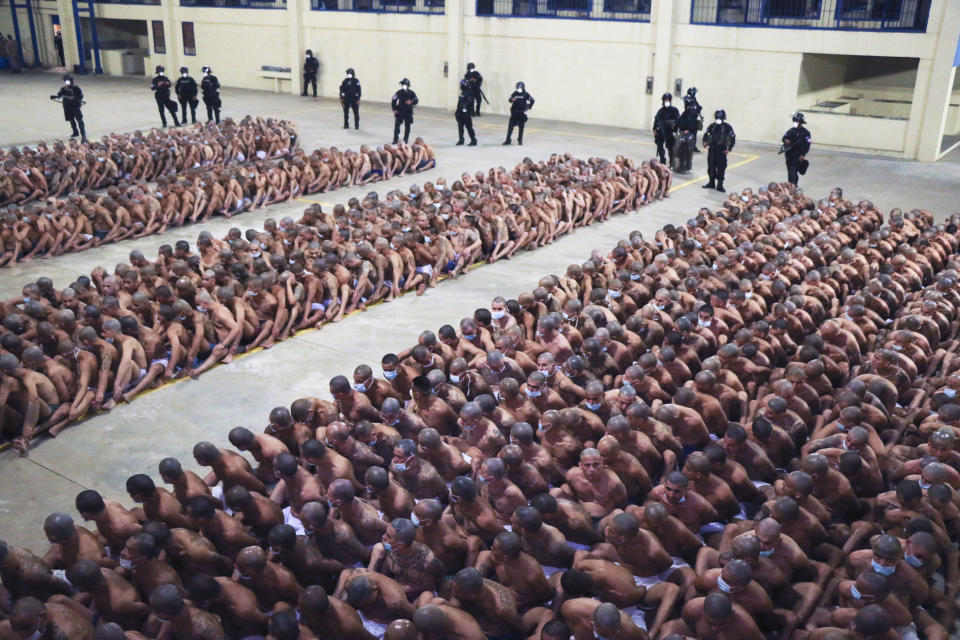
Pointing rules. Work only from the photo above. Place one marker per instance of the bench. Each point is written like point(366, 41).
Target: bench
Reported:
point(277, 73)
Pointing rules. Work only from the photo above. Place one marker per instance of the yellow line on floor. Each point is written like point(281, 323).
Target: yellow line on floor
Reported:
point(326, 204)
point(682, 185)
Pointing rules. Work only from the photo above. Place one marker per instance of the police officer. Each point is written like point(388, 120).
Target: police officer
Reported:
point(402, 103)
point(474, 82)
point(161, 93)
point(691, 99)
point(520, 103)
point(71, 97)
point(186, 89)
point(796, 145)
point(310, 68)
point(210, 87)
point(350, 99)
point(465, 113)
point(665, 128)
point(687, 140)
point(719, 139)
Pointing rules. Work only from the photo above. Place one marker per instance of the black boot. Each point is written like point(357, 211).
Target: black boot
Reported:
point(720, 187)
point(507, 141)
point(473, 143)
point(710, 185)
point(460, 142)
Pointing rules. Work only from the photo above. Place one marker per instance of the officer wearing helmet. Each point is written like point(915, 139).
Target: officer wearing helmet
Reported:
point(161, 92)
point(464, 113)
point(520, 103)
point(796, 145)
point(210, 87)
point(350, 99)
point(310, 68)
point(474, 82)
point(186, 89)
point(690, 102)
point(719, 140)
point(71, 97)
point(402, 103)
point(665, 128)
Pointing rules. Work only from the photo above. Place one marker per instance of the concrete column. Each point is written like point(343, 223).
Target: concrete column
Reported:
point(662, 15)
point(297, 44)
point(172, 36)
point(69, 31)
point(930, 106)
point(457, 64)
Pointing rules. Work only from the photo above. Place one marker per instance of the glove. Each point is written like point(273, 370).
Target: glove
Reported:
point(54, 97)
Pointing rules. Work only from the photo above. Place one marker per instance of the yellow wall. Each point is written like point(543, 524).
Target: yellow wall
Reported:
point(591, 71)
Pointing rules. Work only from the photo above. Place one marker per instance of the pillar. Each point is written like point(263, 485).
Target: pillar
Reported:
point(297, 45)
point(932, 94)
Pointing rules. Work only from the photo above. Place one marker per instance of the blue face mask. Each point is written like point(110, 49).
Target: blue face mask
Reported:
point(882, 570)
point(534, 393)
point(387, 546)
point(389, 375)
point(854, 592)
point(454, 378)
point(766, 553)
point(722, 585)
point(593, 406)
point(913, 561)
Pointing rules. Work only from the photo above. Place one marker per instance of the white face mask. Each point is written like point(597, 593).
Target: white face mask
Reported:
point(66, 82)
point(349, 75)
point(184, 74)
point(160, 73)
point(796, 124)
point(666, 103)
point(719, 121)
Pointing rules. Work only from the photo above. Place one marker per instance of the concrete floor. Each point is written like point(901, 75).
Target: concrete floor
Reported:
point(103, 451)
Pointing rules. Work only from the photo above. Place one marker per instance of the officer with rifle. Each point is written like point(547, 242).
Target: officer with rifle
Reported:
point(71, 97)
point(665, 129)
point(796, 145)
point(719, 139)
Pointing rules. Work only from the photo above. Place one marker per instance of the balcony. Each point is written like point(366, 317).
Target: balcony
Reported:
point(851, 15)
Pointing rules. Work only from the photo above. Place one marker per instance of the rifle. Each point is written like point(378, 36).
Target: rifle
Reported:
point(785, 147)
point(60, 100)
point(483, 95)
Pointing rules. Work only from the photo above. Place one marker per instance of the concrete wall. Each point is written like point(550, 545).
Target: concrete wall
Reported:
point(584, 70)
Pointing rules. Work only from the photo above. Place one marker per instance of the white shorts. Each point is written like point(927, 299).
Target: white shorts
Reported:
point(652, 581)
point(293, 521)
point(712, 527)
point(425, 269)
point(376, 628)
point(637, 615)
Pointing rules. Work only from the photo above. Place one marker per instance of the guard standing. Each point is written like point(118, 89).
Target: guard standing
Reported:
point(691, 99)
point(186, 89)
point(520, 103)
point(310, 68)
point(161, 92)
point(402, 103)
point(71, 97)
point(350, 99)
point(687, 139)
point(719, 139)
point(474, 84)
point(796, 145)
point(210, 87)
point(464, 113)
point(665, 128)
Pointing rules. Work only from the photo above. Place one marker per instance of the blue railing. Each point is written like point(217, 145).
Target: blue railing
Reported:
point(635, 10)
point(857, 15)
point(381, 6)
point(236, 4)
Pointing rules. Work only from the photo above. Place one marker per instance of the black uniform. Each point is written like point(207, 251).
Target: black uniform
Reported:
point(797, 141)
point(402, 103)
point(474, 82)
point(210, 87)
point(691, 101)
point(161, 92)
point(350, 99)
point(465, 116)
point(686, 142)
point(665, 131)
point(718, 138)
point(72, 98)
point(186, 89)
point(520, 103)
point(310, 68)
